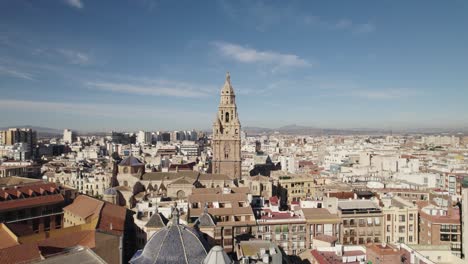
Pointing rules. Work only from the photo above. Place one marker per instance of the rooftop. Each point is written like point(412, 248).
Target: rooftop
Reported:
point(85, 206)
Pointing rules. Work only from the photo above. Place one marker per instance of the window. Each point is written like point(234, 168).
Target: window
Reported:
point(410, 239)
point(388, 228)
point(444, 237)
point(402, 218)
point(410, 228)
point(362, 222)
point(401, 229)
point(411, 217)
point(389, 217)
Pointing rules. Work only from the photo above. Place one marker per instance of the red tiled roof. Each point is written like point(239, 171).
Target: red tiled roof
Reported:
point(31, 202)
point(6, 238)
point(25, 191)
point(20, 254)
point(85, 206)
point(58, 244)
point(342, 195)
point(114, 215)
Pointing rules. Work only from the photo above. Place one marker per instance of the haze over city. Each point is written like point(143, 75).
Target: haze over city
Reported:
point(129, 65)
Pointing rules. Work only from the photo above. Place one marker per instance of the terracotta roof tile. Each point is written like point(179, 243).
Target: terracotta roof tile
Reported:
point(30, 202)
point(7, 238)
point(112, 219)
point(58, 244)
point(85, 206)
point(20, 254)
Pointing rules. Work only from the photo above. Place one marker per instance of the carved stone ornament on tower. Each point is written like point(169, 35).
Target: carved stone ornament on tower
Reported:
point(226, 142)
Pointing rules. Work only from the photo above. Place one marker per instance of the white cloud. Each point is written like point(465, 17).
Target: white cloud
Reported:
point(364, 28)
point(153, 88)
point(249, 55)
point(97, 109)
point(75, 3)
point(382, 94)
point(342, 25)
point(75, 57)
point(15, 73)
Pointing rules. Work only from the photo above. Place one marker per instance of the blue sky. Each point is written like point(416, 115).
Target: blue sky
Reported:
point(141, 64)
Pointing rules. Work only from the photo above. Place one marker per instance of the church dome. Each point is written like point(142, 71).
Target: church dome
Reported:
point(217, 256)
point(131, 161)
point(110, 191)
point(175, 243)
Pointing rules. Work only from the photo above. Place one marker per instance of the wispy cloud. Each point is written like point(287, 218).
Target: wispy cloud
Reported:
point(384, 94)
point(341, 24)
point(75, 3)
point(365, 28)
point(15, 73)
point(154, 88)
point(249, 55)
point(265, 15)
point(75, 57)
point(97, 109)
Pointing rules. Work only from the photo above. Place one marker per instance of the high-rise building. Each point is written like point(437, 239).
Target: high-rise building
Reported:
point(68, 136)
point(144, 137)
point(19, 135)
point(226, 143)
point(21, 138)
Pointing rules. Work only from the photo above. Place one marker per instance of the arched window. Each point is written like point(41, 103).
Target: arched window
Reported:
point(227, 116)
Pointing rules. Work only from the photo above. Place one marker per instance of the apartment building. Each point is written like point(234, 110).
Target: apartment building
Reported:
point(231, 213)
point(286, 228)
point(31, 205)
point(400, 220)
point(321, 225)
point(440, 226)
point(298, 187)
point(362, 222)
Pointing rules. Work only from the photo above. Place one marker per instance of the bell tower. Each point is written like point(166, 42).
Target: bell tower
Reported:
point(226, 143)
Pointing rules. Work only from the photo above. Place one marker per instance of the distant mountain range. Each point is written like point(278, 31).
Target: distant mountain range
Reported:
point(42, 131)
point(288, 130)
point(314, 131)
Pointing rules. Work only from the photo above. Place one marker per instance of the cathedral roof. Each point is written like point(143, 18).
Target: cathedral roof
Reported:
point(131, 161)
point(227, 88)
point(205, 219)
point(156, 221)
point(175, 243)
point(217, 256)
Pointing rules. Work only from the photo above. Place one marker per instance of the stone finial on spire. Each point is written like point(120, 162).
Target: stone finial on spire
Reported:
point(175, 216)
point(205, 210)
point(228, 77)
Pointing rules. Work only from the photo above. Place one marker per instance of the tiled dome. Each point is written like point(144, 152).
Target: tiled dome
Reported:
point(175, 243)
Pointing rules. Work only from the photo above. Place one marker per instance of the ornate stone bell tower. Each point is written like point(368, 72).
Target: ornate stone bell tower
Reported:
point(226, 141)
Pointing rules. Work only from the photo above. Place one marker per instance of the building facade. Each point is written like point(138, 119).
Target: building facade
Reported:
point(400, 221)
point(226, 143)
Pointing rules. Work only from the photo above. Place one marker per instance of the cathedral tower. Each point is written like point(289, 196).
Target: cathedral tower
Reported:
point(226, 143)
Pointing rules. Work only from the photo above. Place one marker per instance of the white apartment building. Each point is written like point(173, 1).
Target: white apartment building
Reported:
point(288, 164)
point(144, 137)
point(429, 180)
point(68, 136)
